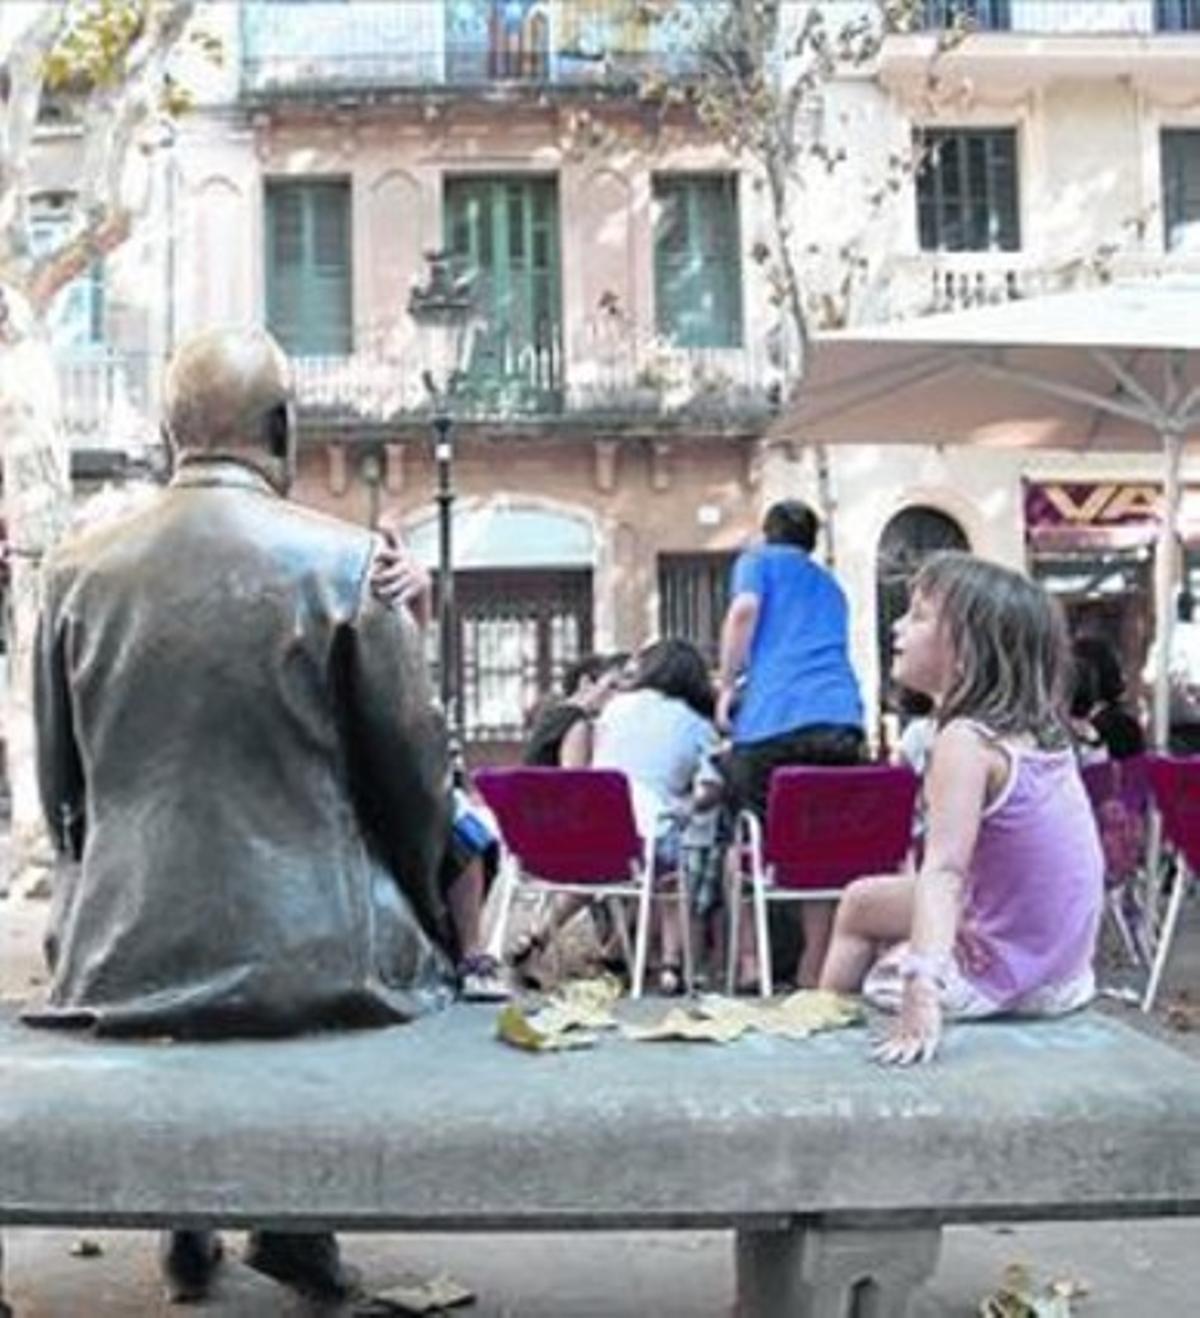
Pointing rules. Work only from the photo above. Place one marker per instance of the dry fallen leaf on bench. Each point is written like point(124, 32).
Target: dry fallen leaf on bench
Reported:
point(579, 1004)
point(808, 1011)
point(687, 1024)
point(721, 1020)
point(415, 1295)
point(514, 1027)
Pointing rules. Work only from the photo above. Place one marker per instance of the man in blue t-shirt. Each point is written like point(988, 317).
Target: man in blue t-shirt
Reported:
point(787, 692)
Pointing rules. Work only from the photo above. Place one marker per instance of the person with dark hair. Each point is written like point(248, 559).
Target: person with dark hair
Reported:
point(561, 731)
point(1098, 714)
point(785, 663)
point(560, 736)
point(659, 733)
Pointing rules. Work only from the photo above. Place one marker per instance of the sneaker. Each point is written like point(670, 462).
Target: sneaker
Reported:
point(480, 980)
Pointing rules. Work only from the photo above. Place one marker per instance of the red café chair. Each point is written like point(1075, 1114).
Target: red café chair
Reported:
point(1175, 786)
point(573, 830)
point(1119, 791)
point(824, 828)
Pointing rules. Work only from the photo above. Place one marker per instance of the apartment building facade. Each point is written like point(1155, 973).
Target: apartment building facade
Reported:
point(1059, 149)
point(627, 355)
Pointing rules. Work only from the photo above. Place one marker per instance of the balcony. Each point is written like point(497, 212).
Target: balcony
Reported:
point(629, 379)
point(1062, 17)
point(933, 282)
point(319, 48)
point(1018, 45)
point(107, 397)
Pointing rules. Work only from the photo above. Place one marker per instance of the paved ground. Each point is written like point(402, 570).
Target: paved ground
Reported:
point(1150, 1270)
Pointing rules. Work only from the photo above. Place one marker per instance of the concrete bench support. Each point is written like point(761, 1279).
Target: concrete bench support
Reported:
point(811, 1271)
point(5, 1311)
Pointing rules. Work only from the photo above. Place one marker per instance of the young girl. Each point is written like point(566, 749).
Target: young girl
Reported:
point(1004, 913)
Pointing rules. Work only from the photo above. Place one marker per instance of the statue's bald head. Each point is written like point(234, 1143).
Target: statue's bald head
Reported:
point(228, 394)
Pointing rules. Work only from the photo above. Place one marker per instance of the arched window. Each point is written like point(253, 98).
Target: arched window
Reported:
point(907, 541)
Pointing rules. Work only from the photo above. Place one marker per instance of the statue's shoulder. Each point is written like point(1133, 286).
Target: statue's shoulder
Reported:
point(94, 535)
point(325, 535)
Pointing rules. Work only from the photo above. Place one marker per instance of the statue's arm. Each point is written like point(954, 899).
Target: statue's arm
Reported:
point(396, 744)
point(60, 775)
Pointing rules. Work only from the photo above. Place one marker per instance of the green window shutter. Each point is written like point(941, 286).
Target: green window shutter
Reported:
point(308, 267)
point(504, 230)
point(697, 261)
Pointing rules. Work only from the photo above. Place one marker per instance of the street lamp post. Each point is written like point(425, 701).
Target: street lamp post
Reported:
point(444, 307)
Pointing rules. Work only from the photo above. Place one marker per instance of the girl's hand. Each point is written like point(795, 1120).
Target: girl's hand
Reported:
point(917, 1031)
point(397, 578)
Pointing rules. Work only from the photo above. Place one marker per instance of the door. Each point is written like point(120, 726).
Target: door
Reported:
point(504, 233)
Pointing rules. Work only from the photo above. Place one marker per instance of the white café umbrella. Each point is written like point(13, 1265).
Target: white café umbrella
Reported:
point(1108, 369)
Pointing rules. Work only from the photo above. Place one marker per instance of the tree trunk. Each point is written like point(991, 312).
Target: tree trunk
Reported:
point(777, 186)
point(37, 500)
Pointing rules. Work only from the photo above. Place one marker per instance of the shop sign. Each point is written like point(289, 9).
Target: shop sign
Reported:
point(1094, 514)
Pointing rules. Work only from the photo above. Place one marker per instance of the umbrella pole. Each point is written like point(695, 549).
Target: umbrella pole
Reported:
point(1164, 587)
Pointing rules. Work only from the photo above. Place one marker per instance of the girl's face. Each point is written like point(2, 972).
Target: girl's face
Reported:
point(922, 659)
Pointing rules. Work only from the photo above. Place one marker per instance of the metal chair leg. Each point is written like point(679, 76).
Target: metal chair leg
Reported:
point(642, 935)
point(1166, 936)
point(1114, 909)
point(762, 938)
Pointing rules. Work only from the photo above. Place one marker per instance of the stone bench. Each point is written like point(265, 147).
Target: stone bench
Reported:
point(835, 1175)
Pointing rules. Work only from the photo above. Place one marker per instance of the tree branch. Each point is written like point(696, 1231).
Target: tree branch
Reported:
point(113, 120)
point(99, 237)
point(24, 70)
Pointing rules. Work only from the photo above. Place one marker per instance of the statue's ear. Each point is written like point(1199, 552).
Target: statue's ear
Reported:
point(278, 424)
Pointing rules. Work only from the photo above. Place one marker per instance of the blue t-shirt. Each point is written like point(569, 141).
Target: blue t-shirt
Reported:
point(798, 671)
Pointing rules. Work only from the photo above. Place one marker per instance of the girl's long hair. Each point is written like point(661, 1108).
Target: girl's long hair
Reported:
point(676, 668)
point(1009, 640)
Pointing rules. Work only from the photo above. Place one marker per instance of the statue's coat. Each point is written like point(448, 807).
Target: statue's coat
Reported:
point(238, 745)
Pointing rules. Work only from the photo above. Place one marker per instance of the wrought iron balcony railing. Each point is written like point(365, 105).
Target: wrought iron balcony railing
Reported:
point(106, 396)
point(330, 46)
point(933, 282)
point(1062, 17)
point(619, 375)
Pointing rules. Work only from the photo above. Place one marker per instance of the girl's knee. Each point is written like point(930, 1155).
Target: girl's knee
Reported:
point(856, 897)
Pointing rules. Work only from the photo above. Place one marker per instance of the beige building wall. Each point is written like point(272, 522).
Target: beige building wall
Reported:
point(1088, 112)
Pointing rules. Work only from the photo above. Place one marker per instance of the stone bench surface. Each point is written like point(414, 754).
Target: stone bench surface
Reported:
point(436, 1125)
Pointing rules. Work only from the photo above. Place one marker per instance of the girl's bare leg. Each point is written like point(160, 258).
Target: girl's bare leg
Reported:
point(872, 911)
point(465, 899)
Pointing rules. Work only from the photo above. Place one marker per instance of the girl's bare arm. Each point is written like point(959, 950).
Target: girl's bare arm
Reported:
point(962, 767)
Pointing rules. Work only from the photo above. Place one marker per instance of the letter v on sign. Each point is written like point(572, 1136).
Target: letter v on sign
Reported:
point(1090, 510)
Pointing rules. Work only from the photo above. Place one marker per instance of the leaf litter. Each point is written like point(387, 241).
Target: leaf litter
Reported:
point(580, 1011)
